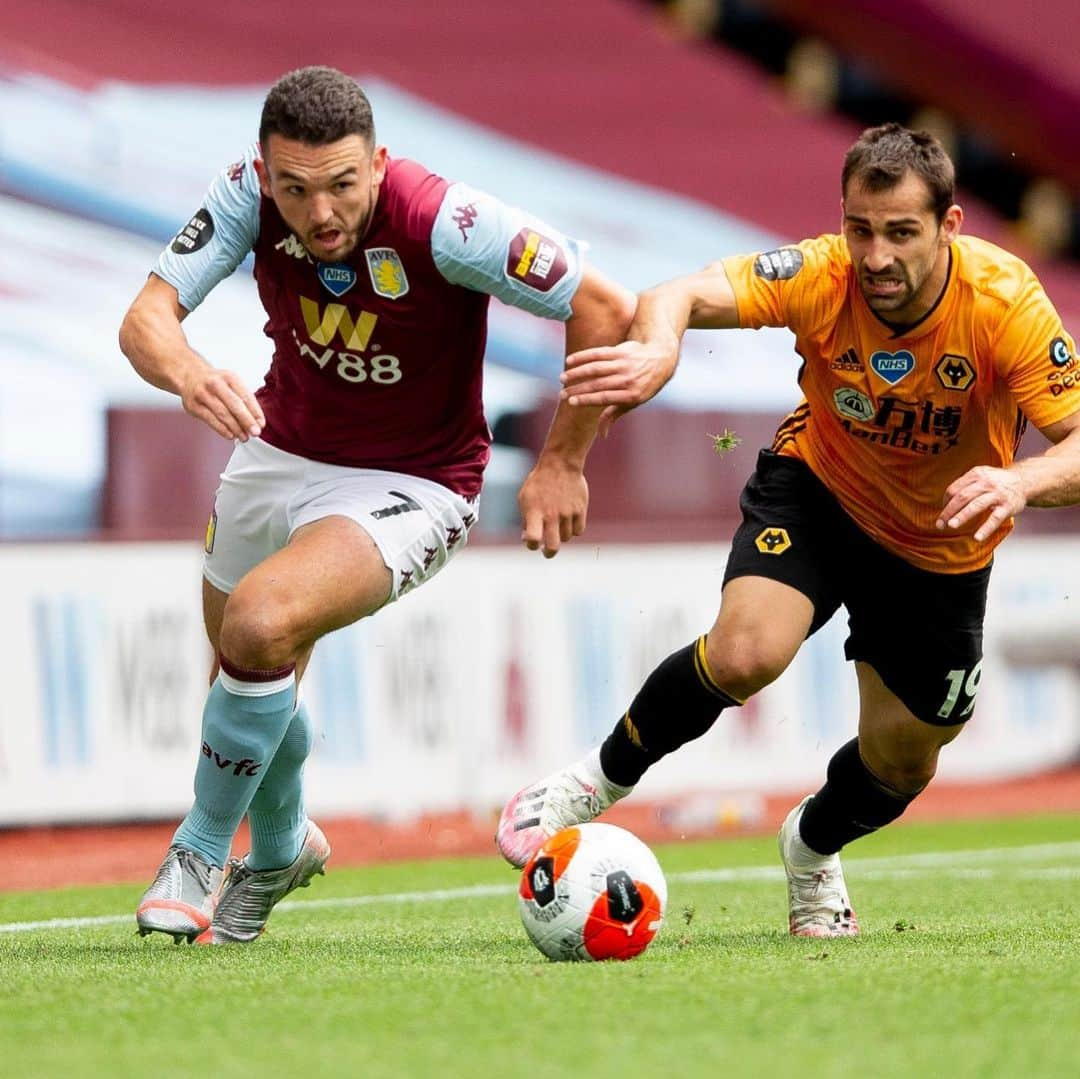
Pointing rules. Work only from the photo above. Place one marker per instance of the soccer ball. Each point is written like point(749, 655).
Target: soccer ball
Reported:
point(592, 892)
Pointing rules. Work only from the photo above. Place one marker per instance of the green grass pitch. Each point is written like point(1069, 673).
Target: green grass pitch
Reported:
point(968, 965)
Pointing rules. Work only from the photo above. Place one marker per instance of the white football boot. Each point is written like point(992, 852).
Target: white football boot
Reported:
point(182, 898)
point(817, 895)
point(249, 895)
point(573, 796)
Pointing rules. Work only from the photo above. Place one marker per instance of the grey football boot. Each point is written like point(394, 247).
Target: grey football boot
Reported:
point(249, 895)
point(181, 899)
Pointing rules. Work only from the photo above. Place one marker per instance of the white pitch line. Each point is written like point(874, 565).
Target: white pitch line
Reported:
point(939, 863)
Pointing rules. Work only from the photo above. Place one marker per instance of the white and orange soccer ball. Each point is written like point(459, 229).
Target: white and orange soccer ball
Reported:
point(593, 891)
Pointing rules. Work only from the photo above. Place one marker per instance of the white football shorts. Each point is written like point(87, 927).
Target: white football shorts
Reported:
point(266, 494)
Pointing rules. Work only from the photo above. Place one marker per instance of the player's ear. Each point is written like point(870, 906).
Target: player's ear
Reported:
point(264, 176)
point(378, 165)
point(950, 224)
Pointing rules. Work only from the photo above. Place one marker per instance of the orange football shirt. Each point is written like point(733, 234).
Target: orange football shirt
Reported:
point(888, 420)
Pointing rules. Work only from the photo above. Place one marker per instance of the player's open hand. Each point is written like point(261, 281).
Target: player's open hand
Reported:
point(620, 377)
point(553, 500)
point(221, 400)
point(989, 495)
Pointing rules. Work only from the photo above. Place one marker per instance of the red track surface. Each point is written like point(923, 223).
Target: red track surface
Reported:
point(55, 857)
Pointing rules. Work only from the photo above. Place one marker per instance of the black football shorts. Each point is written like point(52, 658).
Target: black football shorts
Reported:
point(921, 631)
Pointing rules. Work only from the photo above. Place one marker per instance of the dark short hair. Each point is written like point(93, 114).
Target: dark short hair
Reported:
point(316, 105)
point(882, 156)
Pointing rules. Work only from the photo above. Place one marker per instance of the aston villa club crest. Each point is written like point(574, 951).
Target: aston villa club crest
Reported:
point(387, 273)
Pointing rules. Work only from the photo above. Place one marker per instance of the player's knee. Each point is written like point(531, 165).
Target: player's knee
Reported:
point(743, 663)
point(258, 632)
point(906, 777)
point(906, 766)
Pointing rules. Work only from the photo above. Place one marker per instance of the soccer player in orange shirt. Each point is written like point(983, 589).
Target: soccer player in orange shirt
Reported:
point(886, 490)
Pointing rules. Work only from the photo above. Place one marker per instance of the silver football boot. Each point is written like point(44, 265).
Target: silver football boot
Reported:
point(249, 895)
point(181, 899)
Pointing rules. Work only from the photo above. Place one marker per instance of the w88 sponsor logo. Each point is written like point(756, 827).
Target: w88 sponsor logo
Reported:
point(325, 325)
point(381, 368)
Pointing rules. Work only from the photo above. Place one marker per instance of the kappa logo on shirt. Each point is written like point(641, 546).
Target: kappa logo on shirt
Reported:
point(536, 260)
point(292, 246)
point(465, 217)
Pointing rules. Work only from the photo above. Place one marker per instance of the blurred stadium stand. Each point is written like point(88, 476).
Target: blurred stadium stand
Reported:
point(996, 81)
point(113, 119)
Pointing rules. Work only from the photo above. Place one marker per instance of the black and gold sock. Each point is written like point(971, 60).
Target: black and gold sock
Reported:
point(853, 803)
point(679, 701)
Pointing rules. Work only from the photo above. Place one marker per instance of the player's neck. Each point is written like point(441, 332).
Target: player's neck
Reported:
point(940, 276)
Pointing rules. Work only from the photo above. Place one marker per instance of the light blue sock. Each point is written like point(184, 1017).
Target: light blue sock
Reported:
point(276, 814)
point(243, 724)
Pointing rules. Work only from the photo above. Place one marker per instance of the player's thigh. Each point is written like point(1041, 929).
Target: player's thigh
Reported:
point(415, 525)
point(921, 633)
point(787, 536)
point(249, 520)
point(328, 575)
point(359, 539)
point(761, 625)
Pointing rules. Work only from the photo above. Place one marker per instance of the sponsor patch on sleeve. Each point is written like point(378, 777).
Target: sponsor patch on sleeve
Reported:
point(536, 261)
point(1060, 353)
point(779, 265)
point(195, 235)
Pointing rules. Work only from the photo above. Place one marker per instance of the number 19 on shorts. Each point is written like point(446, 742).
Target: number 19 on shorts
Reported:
point(964, 684)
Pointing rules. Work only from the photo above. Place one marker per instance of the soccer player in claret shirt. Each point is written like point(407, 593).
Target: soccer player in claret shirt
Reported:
point(358, 463)
point(886, 490)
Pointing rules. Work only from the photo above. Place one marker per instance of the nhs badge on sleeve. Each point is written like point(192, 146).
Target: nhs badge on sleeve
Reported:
point(387, 273)
point(892, 366)
point(337, 278)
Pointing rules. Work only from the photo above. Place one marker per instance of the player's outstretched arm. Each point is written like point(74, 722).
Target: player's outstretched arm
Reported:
point(623, 376)
point(992, 496)
point(153, 340)
point(554, 498)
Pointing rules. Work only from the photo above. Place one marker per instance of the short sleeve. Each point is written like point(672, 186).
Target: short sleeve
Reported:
point(485, 245)
point(218, 237)
point(796, 286)
point(1037, 358)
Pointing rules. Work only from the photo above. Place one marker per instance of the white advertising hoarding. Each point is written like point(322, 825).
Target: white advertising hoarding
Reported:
point(501, 668)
